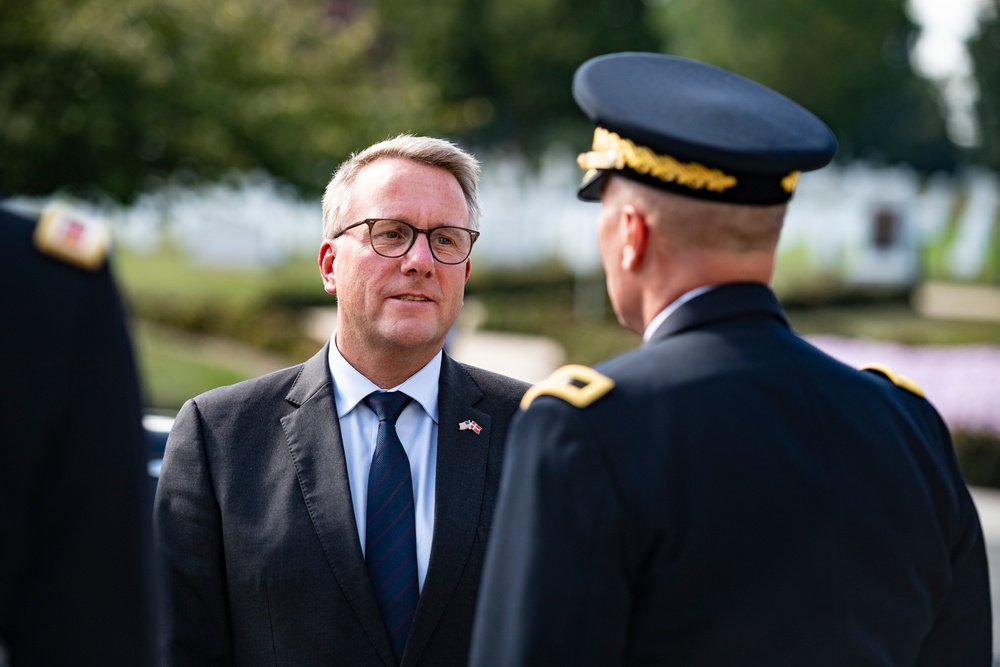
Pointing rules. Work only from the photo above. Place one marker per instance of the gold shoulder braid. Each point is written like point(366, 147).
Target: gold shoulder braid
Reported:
point(611, 151)
point(577, 385)
point(66, 235)
point(898, 380)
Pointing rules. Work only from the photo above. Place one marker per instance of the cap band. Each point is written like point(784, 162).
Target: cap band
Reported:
point(611, 151)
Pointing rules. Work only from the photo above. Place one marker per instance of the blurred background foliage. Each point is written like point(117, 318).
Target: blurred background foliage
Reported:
point(848, 61)
point(984, 50)
point(109, 97)
point(103, 95)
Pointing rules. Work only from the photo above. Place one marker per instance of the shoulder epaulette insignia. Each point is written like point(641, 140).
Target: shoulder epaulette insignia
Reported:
point(577, 385)
point(898, 380)
point(66, 235)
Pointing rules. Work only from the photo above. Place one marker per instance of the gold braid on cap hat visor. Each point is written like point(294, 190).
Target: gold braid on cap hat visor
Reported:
point(611, 151)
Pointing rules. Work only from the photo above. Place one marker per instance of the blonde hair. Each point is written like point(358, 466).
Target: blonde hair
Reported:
point(425, 150)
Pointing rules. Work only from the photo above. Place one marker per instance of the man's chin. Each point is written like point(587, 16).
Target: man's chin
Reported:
point(416, 337)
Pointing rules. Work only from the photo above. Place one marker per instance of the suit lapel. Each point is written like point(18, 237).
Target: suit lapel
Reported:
point(461, 479)
point(317, 450)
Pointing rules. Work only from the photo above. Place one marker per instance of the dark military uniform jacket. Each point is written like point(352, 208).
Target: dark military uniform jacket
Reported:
point(737, 497)
point(75, 540)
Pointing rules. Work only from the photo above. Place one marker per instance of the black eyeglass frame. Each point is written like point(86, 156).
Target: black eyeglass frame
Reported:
point(416, 230)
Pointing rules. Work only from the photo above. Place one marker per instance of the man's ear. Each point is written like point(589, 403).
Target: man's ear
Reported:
point(636, 231)
point(327, 252)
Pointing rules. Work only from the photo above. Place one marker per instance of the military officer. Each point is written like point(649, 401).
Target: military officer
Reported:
point(726, 494)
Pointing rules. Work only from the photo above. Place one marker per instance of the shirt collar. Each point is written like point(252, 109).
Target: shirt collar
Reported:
point(350, 387)
point(666, 312)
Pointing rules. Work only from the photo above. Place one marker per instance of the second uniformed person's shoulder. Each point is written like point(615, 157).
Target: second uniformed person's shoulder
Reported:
point(897, 379)
point(580, 386)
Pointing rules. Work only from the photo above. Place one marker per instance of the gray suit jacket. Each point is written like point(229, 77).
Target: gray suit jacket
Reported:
point(256, 524)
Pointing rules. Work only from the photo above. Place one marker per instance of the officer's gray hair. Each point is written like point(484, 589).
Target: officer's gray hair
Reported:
point(425, 150)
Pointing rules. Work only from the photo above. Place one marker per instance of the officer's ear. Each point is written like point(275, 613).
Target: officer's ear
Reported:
point(636, 229)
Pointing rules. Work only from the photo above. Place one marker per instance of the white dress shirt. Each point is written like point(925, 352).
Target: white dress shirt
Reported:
point(666, 312)
point(417, 428)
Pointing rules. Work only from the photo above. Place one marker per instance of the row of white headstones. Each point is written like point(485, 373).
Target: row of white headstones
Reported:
point(532, 216)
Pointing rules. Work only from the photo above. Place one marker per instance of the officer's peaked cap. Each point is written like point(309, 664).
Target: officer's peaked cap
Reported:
point(694, 129)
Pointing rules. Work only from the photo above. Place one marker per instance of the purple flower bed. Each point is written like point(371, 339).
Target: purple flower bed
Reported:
point(962, 381)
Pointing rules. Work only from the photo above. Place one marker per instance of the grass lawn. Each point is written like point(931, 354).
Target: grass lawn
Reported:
point(168, 275)
point(174, 367)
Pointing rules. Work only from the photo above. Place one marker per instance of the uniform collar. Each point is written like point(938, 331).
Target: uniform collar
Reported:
point(666, 312)
point(725, 302)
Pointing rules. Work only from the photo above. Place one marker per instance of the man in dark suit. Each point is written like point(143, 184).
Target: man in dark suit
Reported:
point(74, 514)
point(294, 531)
point(726, 494)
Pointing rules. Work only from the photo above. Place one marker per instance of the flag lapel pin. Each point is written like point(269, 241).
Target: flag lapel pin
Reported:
point(469, 424)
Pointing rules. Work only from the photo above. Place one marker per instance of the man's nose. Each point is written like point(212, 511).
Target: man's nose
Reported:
point(419, 257)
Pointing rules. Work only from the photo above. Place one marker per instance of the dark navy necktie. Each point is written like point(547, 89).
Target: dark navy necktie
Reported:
point(390, 534)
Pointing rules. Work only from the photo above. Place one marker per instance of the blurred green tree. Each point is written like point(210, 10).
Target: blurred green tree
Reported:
point(846, 60)
point(98, 95)
point(502, 69)
point(984, 49)
point(95, 95)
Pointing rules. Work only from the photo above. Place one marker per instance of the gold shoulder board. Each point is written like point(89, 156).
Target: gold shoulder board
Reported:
point(898, 380)
point(67, 235)
point(577, 385)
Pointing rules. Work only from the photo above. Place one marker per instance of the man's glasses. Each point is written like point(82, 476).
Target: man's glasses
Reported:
point(394, 238)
